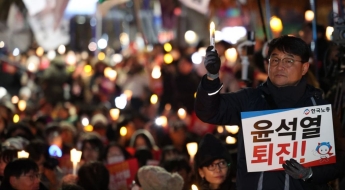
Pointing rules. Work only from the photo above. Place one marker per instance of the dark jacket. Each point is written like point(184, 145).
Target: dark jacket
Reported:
point(225, 109)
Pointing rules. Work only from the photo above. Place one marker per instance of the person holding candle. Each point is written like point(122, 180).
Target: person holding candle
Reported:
point(212, 165)
point(286, 87)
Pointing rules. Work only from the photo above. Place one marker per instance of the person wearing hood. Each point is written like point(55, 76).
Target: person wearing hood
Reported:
point(142, 138)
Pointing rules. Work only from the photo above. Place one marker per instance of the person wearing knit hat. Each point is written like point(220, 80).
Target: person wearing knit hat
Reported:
point(157, 178)
point(212, 164)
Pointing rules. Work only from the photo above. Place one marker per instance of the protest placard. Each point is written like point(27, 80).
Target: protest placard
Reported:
point(273, 136)
point(122, 174)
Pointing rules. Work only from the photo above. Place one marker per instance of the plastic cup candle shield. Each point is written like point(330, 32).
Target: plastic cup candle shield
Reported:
point(192, 148)
point(75, 158)
point(22, 154)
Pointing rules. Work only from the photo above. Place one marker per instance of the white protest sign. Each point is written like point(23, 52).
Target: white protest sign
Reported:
point(45, 34)
point(36, 6)
point(273, 136)
point(46, 20)
point(198, 5)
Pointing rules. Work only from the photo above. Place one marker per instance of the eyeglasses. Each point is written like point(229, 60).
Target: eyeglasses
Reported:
point(286, 62)
point(221, 165)
point(32, 177)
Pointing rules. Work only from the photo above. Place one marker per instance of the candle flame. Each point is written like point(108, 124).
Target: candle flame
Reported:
point(212, 25)
point(114, 113)
point(22, 154)
point(212, 34)
point(192, 148)
point(75, 155)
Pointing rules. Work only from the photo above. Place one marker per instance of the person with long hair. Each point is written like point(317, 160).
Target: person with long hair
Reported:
point(212, 165)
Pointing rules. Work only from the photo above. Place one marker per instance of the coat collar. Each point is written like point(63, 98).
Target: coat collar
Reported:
point(287, 97)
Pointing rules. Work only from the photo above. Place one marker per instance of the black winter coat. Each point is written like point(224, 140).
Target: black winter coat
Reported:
point(225, 109)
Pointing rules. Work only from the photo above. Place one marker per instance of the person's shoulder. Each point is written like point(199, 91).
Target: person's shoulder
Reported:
point(317, 94)
point(314, 92)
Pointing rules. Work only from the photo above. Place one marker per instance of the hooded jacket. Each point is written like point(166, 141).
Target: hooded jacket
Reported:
point(225, 109)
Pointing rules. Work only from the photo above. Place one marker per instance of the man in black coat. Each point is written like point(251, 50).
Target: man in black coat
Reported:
point(286, 87)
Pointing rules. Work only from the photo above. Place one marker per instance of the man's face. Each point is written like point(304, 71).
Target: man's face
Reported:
point(28, 181)
point(282, 75)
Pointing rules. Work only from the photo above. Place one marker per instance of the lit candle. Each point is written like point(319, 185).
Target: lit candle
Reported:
point(75, 158)
point(230, 140)
point(123, 131)
point(114, 114)
point(194, 187)
point(162, 121)
point(21, 105)
point(22, 154)
point(156, 72)
point(233, 129)
point(154, 99)
point(15, 99)
point(110, 73)
point(212, 34)
point(106, 71)
point(181, 113)
point(231, 56)
point(329, 32)
point(192, 148)
point(128, 94)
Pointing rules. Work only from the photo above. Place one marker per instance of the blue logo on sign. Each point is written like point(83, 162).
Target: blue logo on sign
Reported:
point(306, 111)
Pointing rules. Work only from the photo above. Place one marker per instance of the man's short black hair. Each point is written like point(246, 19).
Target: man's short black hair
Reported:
point(292, 45)
point(17, 168)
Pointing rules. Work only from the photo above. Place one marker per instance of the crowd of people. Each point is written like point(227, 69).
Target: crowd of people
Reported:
point(129, 140)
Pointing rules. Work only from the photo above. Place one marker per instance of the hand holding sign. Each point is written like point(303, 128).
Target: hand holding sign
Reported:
point(296, 170)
